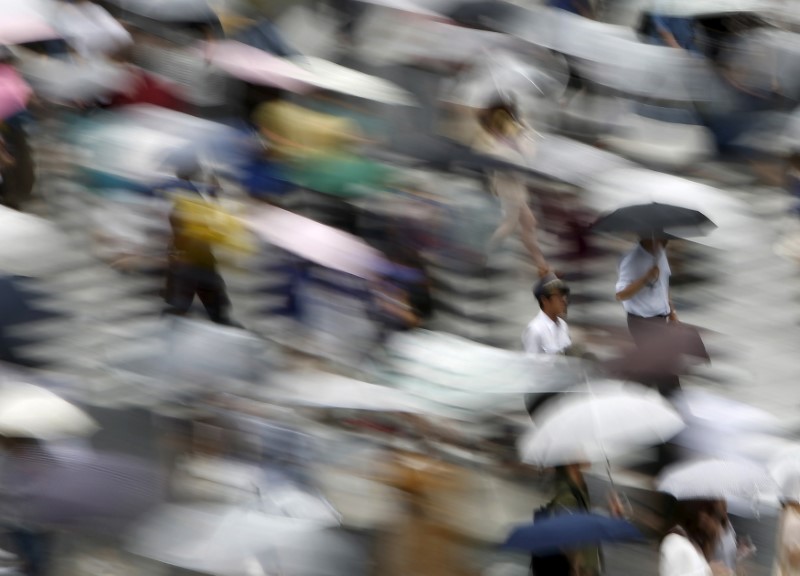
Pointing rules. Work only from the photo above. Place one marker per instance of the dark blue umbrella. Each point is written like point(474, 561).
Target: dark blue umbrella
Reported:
point(569, 531)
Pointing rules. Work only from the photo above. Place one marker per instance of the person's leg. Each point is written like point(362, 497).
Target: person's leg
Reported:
point(642, 330)
point(511, 218)
point(212, 293)
point(530, 228)
point(179, 291)
point(33, 549)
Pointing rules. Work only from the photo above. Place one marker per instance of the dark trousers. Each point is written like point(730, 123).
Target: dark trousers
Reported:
point(184, 281)
point(642, 330)
point(33, 548)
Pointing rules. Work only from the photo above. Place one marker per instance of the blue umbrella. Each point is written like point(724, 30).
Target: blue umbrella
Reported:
point(265, 36)
point(570, 531)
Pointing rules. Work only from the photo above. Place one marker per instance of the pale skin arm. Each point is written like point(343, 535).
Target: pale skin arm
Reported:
point(673, 316)
point(636, 286)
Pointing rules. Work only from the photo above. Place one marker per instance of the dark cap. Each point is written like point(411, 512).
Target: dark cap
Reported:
point(550, 285)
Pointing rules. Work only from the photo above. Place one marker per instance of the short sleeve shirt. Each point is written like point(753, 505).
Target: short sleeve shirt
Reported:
point(653, 299)
point(543, 336)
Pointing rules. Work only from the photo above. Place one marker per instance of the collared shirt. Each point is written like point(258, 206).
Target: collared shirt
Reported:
point(543, 336)
point(651, 300)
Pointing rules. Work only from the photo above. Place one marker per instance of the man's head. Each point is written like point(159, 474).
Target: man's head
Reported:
point(552, 295)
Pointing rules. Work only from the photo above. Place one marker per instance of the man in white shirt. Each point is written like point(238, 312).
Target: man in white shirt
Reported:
point(548, 333)
point(643, 288)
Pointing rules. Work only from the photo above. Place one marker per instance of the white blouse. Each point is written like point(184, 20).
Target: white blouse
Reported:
point(679, 557)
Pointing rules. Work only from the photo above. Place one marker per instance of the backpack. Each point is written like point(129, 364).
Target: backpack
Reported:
point(554, 564)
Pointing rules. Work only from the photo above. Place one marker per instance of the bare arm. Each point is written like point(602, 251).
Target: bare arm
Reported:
point(673, 316)
point(636, 286)
point(668, 38)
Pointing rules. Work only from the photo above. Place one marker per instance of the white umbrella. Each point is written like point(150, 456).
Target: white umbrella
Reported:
point(216, 539)
point(449, 361)
point(29, 243)
point(385, 39)
point(409, 6)
point(327, 75)
point(785, 470)
point(575, 162)
point(716, 479)
point(690, 8)
point(612, 56)
point(30, 411)
point(508, 75)
point(74, 80)
point(711, 409)
point(89, 28)
point(650, 71)
point(595, 426)
point(164, 139)
point(312, 388)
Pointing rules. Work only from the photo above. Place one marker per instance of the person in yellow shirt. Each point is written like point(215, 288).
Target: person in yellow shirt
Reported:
point(192, 265)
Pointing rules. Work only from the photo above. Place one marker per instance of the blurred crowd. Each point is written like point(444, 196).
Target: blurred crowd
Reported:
point(375, 168)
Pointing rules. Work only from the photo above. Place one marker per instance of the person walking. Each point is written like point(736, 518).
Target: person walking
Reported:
point(643, 289)
point(688, 549)
point(571, 494)
point(504, 136)
point(548, 332)
point(192, 266)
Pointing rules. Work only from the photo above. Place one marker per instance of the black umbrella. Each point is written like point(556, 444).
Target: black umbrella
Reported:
point(493, 15)
point(653, 219)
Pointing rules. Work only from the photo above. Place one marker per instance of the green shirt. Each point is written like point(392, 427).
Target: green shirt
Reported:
point(572, 497)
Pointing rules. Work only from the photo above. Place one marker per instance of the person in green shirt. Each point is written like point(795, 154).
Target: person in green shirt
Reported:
point(572, 494)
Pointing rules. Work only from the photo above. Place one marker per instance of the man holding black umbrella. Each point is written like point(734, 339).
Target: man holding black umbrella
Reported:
point(643, 288)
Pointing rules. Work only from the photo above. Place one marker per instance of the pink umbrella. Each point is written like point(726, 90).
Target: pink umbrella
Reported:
point(14, 91)
point(316, 242)
point(258, 67)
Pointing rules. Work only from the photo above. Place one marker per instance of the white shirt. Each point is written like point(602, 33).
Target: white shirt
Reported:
point(651, 300)
point(679, 557)
point(543, 336)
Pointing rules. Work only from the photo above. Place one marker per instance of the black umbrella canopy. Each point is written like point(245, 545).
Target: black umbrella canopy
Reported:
point(654, 219)
point(493, 15)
